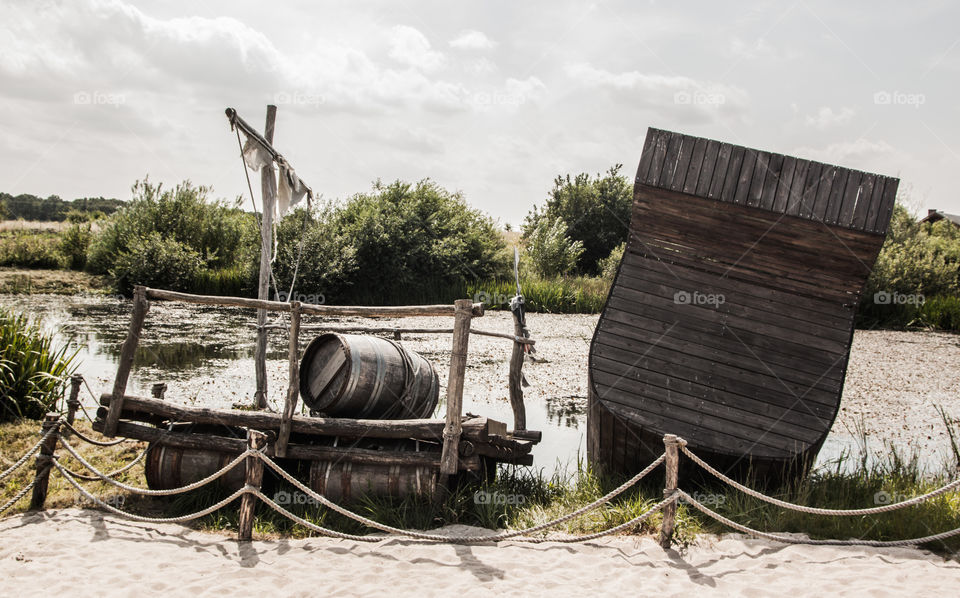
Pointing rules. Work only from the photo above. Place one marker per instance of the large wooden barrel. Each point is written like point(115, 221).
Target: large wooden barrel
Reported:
point(345, 481)
point(171, 467)
point(348, 375)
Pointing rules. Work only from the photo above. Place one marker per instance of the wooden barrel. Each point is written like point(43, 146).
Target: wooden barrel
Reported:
point(342, 481)
point(172, 466)
point(349, 375)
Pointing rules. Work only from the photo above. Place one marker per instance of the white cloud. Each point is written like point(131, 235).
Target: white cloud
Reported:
point(473, 40)
point(826, 117)
point(411, 48)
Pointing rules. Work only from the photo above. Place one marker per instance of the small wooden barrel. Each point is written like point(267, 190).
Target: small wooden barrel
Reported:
point(172, 467)
point(342, 481)
point(367, 377)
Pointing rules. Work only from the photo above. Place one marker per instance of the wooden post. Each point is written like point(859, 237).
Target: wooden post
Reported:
point(515, 382)
point(268, 189)
point(140, 308)
point(255, 441)
point(672, 464)
point(463, 309)
point(73, 402)
point(293, 390)
point(158, 390)
point(45, 461)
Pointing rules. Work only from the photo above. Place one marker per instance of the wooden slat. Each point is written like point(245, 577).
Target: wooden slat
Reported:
point(732, 178)
point(720, 169)
point(659, 155)
point(784, 185)
point(707, 168)
point(774, 166)
point(810, 186)
point(886, 206)
point(820, 203)
point(851, 190)
point(646, 156)
point(870, 222)
point(695, 166)
point(746, 176)
point(760, 172)
point(671, 160)
point(863, 201)
point(687, 145)
point(835, 200)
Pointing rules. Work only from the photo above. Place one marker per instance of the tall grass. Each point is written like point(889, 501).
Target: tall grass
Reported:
point(31, 249)
point(33, 367)
point(566, 295)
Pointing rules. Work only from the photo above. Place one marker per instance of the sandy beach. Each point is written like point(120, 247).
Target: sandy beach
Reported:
point(77, 552)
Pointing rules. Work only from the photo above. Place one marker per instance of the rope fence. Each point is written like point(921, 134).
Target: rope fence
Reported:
point(255, 459)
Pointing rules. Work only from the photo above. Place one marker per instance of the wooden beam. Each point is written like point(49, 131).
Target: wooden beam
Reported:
point(306, 452)
point(141, 305)
point(45, 461)
point(398, 331)
point(268, 192)
point(390, 311)
point(144, 409)
point(293, 390)
point(458, 365)
point(515, 379)
point(672, 463)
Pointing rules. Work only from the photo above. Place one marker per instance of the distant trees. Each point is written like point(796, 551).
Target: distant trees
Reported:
point(53, 208)
point(594, 212)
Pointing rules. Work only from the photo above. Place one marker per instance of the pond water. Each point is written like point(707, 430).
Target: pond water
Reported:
point(205, 355)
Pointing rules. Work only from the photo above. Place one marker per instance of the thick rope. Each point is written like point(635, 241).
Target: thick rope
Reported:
point(26, 456)
point(19, 495)
point(813, 510)
point(147, 491)
point(791, 540)
point(92, 441)
point(472, 539)
point(180, 519)
point(466, 539)
point(112, 474)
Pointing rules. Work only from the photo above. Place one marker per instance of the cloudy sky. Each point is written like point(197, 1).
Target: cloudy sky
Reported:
point(491, 98)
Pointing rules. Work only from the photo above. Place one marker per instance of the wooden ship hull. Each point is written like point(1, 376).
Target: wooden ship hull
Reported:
point(730, 320)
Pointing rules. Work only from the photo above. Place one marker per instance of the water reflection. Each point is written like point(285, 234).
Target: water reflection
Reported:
point(568, 411)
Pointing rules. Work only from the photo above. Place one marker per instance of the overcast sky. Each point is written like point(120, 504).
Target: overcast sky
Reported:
point(491, 98)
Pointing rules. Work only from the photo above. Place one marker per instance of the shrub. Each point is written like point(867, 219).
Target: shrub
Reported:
point(596, 212)
point(33, 368)
point(75, 243)
point(157, 262)
point(28, 249)
point(181, 226)
point(608, 265)
point(551, 251)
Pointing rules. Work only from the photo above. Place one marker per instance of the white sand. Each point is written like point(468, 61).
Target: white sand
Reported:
point(84, 553)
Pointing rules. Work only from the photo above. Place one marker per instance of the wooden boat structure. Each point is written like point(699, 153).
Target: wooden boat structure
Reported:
point(370, 399)
point(730, 319)
point(343, 457)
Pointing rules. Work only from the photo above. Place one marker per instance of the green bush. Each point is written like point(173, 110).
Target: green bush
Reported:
point(551, 251)
point(75, 242)
point(33, 368)
point(608, 265)
point(157, 262)
point(181, 226)
point(29, 249)
point(596, 212)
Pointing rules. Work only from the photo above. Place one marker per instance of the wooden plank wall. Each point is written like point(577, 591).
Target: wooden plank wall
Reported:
point(730, 320)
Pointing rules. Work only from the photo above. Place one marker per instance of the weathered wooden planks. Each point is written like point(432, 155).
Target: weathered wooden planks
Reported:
point(783, 247)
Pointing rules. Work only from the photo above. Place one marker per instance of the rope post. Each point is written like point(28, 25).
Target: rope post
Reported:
point(515, 379)
point(672, 463)
point(158, 390)
point(73, 402)
point(45, 460)
point(449, 462)
point(255, 441)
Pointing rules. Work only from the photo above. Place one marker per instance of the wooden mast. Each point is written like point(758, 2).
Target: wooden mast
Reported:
point(268, 187)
